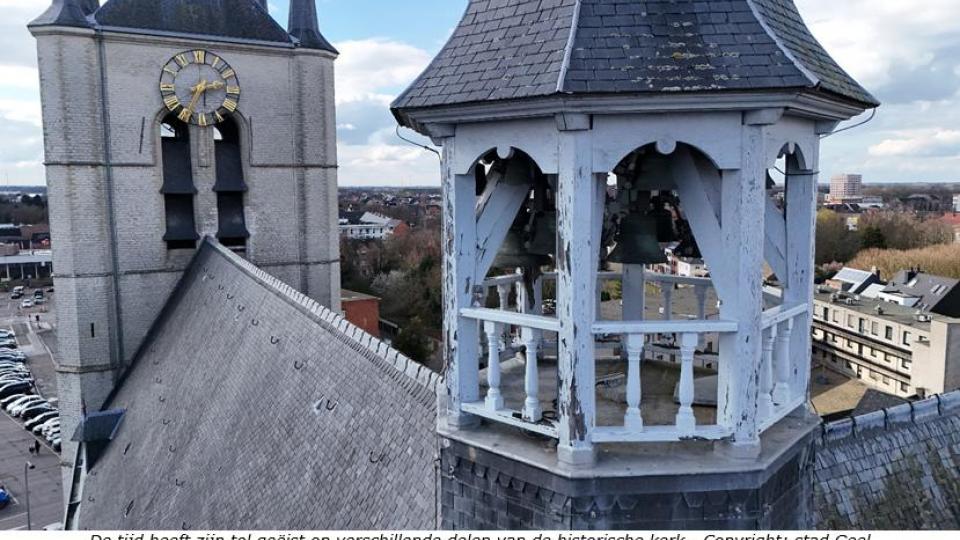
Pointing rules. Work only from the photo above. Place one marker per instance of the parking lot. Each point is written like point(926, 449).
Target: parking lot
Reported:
point(45, 495)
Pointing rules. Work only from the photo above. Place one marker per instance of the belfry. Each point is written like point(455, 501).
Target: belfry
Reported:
point(636, 124)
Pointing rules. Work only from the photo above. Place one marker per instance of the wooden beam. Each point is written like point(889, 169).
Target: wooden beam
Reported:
point(775, 240)
point(497, 209)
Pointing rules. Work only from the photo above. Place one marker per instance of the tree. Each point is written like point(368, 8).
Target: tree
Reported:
point(942, 260)
point(835, 241)
point(872, 237)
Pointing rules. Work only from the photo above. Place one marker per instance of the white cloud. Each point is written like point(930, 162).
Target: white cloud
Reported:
point(373, 69)
point(923, 143)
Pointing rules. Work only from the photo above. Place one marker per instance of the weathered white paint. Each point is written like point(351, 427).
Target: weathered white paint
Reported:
point(775, 239)
point(524, 320)
point(535, 137)
point(461, 335)
point(577, 261)
point(497, 208)
point(633, 419)
point(782, 364)
point(801, 218)
point(667, 290)
point(765, 407)
point(531, 405)
point(494, 399)
point(686, 422)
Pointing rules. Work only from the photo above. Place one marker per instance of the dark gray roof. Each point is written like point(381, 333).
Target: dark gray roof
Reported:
point(236, 19)
point(892, 469)
point(305, 26)
point(63, 13)
point(937, 294)
point(249, 405)
point(508, 49)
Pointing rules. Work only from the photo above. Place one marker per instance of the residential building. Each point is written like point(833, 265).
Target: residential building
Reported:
point(888, 347)
point(924, 292)
point(368, 226)
point(846, 188)
point(853, 281)
point(363, 310)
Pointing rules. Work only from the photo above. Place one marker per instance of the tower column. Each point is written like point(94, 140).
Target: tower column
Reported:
point(577, 260)
point(461, 335)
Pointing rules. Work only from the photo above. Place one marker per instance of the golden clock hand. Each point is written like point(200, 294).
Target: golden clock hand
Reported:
point(214, 86)
point(200, 88)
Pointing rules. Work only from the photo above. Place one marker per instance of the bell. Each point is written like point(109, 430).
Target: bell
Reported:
point(637, 242)
point(664, 222)
point(543, 240)
point(687, 247)
point(513, 253)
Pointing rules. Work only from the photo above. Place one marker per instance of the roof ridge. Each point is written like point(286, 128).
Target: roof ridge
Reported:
point(372, 348)
point(568, 50)
point(781, 45)
point(891, 418)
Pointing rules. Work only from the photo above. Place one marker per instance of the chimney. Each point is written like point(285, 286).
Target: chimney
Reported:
point(89, 6)
point(305, 26)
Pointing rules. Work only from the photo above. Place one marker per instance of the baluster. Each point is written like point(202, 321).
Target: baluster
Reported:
point(667, 289)
point(633, 419)
point(701, 293)
point(503, 291)
point(686, 421)
point(531, 406)
point(494, 399)
point(765, 405)
point(781, 392)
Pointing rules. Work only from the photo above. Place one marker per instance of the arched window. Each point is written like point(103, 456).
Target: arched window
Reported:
point(230, 186)
point(178, 190)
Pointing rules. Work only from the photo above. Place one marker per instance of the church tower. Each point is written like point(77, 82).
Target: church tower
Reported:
point(166, 121)
point(596, 134)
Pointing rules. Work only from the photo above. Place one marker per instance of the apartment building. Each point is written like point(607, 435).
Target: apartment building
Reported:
point(889, 347)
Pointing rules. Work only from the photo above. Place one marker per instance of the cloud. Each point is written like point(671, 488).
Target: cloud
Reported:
point(925, 143)
point(375, 69)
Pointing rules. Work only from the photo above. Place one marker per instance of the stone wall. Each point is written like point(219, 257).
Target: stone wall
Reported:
point(897, 468)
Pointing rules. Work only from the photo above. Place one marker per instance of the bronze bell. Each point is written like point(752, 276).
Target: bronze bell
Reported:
point(513, 253)
point(637, 242)
point(543, 239)
point(664, 222)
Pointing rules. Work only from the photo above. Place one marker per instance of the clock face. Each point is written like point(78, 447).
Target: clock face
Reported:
point(199, 87)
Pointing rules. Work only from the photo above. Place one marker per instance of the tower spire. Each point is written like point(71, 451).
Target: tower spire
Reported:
point(64, 13)
point(89, 6)
point(305, 26)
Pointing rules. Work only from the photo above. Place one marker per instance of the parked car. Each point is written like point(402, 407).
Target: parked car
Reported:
point(38, 293)
point(15, 410)
point(4, 333)
point(9, 400)
point(13, 388)
point(26, 303)
point(8, 355)
point(40, 418)
point(16, 296)
point(49, 427)
point(15, 377)
point(55, 444)
point(36, 410)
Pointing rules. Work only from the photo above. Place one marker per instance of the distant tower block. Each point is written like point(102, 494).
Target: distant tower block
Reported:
point(215, 123)
point(625, 426)
point(845, 188)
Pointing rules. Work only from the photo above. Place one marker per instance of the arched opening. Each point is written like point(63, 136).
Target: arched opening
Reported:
point(178, 188)
point(230, 186)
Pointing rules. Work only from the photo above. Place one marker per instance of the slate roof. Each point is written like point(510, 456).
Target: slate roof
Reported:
point(509, 49)
point(940, 295)
point(251, 406)
point(99, 426)
point(892, 469)
point(238, 19)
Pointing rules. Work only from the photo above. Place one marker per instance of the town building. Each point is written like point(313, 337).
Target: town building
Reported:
point(956, 203)
point(923, 292)
point(362, 310)
point(892, 348)
point(846, 188)
point(853, 281)
point(369, 226)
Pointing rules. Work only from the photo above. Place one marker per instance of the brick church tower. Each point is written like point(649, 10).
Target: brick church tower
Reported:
point(581, 135)
point(166, 121)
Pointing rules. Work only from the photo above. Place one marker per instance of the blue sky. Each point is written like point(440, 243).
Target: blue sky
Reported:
point(909, 57)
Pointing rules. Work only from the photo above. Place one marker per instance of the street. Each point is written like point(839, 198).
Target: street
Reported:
point(45, 495)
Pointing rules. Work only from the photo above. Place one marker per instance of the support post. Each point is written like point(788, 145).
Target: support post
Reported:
point(461, 335)
point(532, 412)
point(765, 405)
point(577, 261)
point(633, 419)
point(782, 364)
point(686, 421)
point(801, 214)
point(494, 399)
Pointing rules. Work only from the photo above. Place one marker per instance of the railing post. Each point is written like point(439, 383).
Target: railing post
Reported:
point(765, 403)
point(494, 399)
point(667, 289)
point(532, 412)
point(781, 392)
point(633, 419)
point(686, 421)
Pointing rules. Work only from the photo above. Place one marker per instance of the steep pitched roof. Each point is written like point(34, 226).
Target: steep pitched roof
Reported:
point(937, 294)
point(235, 19)
point(249, 405)
point(509, 49)
point(63, 13)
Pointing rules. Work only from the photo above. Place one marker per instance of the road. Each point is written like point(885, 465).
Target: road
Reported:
point(46, 498)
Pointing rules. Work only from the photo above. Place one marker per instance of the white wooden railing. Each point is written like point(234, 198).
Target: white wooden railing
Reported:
point(518, 328)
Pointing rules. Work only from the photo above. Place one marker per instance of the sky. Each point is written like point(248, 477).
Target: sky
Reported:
point(906, 53)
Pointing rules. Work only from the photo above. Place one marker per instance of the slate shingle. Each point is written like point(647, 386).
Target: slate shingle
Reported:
point(627, 46)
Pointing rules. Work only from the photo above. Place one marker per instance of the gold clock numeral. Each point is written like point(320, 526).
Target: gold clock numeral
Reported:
point(167, 88)
point(215, 62)
point(218, 116)
point(200, 56)
point(182, 60)
point(230, 105)
point(235, 90)
point(185, 115)
point(202, 119)
point(172, 102)
point(170, 71)
point(227, 73)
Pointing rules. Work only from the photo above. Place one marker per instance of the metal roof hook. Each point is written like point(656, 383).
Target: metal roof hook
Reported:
point(298, 365)
point(241, 308)
point(231, 296)
point(162, 399)
point(376, 459)
point(178, 482)
point(255, 322)
point(331, 405)
point(172, 448)
point(274, 340)
point(165, 421)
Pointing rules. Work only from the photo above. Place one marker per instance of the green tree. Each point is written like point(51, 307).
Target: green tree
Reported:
point(835, 241)
point(872, 237)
